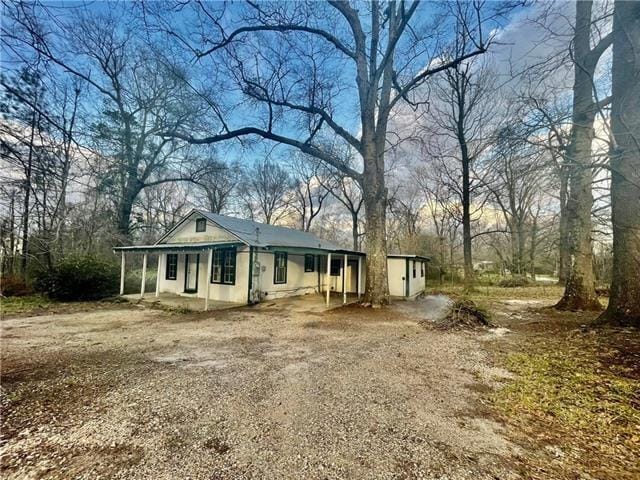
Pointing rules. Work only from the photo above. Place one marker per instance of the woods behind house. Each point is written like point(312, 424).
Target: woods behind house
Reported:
point(387, 127)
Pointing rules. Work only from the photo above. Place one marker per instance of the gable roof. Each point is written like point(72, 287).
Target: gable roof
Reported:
point(257, 234)
point(262, 235)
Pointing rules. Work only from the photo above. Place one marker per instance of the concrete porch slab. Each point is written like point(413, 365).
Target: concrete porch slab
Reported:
point(172, 300)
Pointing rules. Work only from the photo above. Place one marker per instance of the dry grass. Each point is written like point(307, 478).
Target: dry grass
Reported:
point(42, 305)
point(484, 293)
point(575, 397)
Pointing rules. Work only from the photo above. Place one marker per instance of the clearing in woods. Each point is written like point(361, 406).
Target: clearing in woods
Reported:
point(132, 392)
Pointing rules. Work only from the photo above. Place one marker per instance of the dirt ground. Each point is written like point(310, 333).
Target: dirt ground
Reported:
point(273, 392)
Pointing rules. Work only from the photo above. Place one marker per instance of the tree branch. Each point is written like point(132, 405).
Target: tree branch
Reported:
point(268, 135)
point(279, 28)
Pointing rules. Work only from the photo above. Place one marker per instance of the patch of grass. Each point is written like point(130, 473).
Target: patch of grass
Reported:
point(42, 305)
point(26, 304)
point(485, 292)
point(567, 393)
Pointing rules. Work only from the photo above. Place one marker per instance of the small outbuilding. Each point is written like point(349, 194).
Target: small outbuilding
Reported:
point(227, 259)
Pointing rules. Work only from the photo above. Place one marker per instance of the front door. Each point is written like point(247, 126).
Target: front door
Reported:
point(191, 273)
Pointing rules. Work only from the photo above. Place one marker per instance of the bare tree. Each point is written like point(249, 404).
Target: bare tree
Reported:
point(141, 95)
point(515, 180)
point(438, 202)
point(309, 193)
point(218, 183)
point(387, 49)
point(266, 190)
point(347, 192)
point(579, 291)
point(464, 115)
point(624, 301)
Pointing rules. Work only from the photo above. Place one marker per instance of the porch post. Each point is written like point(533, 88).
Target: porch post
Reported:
point(328, 275)
point(359, 275)
point(144, 275)
point(344, 280)
point(158, 274)
point(122, 274)
point(209, 261)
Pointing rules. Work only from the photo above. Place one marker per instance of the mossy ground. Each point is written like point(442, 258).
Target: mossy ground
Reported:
point(574, 401)
point(42, 305)
point(573, 404)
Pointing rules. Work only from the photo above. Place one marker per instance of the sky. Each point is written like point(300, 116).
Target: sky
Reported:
point(345, 107)
point(519, 42)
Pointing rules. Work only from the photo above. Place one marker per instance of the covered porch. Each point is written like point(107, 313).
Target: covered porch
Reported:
point(175, 301)
point(182, 278)
point(343, 277)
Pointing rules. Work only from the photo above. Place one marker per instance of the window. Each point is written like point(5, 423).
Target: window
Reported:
point(171, 270)
point(201, 225)
point(309, 263)
point(280, 267)
point(414, 268)
point(335, 267)
point(223, 266)
point(421, 269)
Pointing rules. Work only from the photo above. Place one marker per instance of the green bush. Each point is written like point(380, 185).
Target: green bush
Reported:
point(13, 286)
point(514, 282)
point(79, 278)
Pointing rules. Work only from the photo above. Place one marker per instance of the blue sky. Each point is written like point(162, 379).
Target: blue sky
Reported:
point(518, 40)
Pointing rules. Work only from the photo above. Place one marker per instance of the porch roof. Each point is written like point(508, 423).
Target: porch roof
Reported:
point(203, 246)
point(175, 247)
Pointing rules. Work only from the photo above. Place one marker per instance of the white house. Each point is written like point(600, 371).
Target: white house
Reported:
point(228, 259)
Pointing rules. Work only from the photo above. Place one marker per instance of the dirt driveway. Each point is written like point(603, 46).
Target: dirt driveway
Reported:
point(248, 393)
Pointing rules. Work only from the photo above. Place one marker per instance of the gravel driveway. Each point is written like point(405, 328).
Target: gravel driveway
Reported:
point(246, 393)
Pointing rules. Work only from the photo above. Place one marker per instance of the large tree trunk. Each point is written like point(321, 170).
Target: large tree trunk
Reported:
point(563, 248)
point(126, 208)
point(624, 302)
point(579, 293)
point(375, 200)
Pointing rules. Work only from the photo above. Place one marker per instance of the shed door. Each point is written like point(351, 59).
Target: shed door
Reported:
point(191, 273)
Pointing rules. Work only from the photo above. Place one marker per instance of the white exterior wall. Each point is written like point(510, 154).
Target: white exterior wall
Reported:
point(171, 286)
point(299, 282)
point(396, 271)
point(186, 233)
point(351, 279)
point(226, 293)
point(416, 285)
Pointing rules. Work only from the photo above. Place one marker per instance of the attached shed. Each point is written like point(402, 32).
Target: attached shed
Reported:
point(407, 275)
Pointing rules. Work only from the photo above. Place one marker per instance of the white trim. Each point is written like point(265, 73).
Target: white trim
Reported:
point(207, 290)
point(144, 275)
point(158, 275)
point(359, 276)
point(122, 275)
point(204, 215)
point(344, 280)
point(328, 276)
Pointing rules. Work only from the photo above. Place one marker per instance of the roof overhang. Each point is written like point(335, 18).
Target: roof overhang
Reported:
point(176, 247)
point(311, 250)
point(417, 257)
